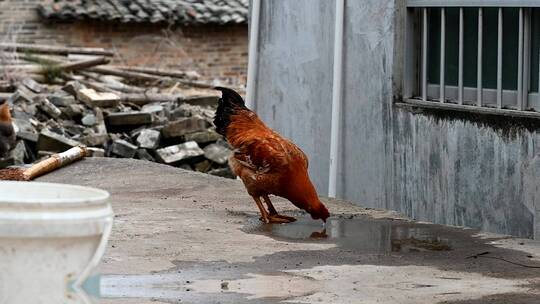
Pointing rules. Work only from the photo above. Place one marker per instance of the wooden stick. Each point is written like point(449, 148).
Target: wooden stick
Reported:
point(83, 64)
point(43, 58)
point(59, 64)
point(100, 87)
point(118, 86)
point(153, 71)
point(148, 77)
point(125, 74)
point(145, 98)
point(50, 49)
point(50, 164)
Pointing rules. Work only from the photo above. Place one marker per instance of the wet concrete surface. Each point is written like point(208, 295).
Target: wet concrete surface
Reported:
point(182, 237)
point(361, 234)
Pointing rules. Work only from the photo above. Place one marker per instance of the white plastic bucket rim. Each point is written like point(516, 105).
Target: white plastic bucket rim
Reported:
point(49, 194)
point(38, 210)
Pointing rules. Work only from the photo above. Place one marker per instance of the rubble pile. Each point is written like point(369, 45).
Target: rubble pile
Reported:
point(66, 97)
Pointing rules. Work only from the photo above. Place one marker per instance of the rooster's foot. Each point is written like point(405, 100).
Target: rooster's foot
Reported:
point(278, 219)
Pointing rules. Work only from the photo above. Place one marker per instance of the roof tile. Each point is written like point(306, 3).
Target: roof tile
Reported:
point(141, 11)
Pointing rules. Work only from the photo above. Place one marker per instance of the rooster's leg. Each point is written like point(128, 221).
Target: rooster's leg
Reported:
point(271, 208)
point(264, 213)
point(273, 213)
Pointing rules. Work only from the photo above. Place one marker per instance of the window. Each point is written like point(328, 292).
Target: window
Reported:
point(473, 54)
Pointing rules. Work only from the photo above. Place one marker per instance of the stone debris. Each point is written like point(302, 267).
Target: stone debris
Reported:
point(129, 118)
point(96, 99)
point(96, 152)
point(203, 137)
point(129, 112)
point(179, 153)
point(217, 153)
point(222, 172)
point(46, 106)
point(62, 99)
point(124, 149)
point(184, 126)
point(89, 119)
point(148, 139)
point(32, 85)
point(143, 154)
point(50, 141)
point(21, 95)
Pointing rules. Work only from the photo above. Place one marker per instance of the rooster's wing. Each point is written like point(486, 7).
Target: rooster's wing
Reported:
point(267, 153)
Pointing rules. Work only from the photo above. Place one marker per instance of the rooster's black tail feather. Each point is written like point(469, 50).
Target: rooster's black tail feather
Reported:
point(227, 105)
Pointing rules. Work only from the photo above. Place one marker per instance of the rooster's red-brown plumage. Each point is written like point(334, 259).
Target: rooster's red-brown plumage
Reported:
point(267, 163)
point(7, 133)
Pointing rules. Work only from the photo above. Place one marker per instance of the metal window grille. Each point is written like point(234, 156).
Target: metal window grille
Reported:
point(474, 54)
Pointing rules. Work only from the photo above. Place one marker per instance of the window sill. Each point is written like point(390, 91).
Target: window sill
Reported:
point(467, 108)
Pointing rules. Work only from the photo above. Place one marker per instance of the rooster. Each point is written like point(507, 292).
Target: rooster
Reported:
point(7, 133)
point(267, 163)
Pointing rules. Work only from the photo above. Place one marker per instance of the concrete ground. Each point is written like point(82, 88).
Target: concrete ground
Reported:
point(184, 237)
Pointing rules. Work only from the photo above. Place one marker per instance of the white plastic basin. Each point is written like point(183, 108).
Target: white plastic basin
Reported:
point(51, 237)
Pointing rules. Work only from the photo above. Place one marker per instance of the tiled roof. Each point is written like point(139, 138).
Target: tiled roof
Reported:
point(168, 11)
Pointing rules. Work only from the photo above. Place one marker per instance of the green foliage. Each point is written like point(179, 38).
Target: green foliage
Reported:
point(49, 70)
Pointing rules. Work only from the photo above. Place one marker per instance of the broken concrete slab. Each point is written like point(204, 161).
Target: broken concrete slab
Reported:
point(203, 166)
point(25, 130)
point(46, 106)
point(178, 153)
point(73, 110)
point(98, 99)
point(203, 137)
point(33, 85)
point(202, 100)
point(72, 87)
point(185, 167)
point(99, 126)
point(6, 162)
point(54, 142)
point(28, 136)
point(132, 118)
point(123, 148)
point(217, 153)
point(89, 119)
point(222, 172)
point(153, 108)
point(21, 95)
point(18, 153)
point(191, 110)
point(96, 152)
point(184, 126)
point(148, 139)
point(94, 139)
point(223, 142)
point(143, 154)
point(61, 99)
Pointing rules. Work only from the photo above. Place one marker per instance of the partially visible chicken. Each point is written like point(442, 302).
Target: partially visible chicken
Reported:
point(266, 162)
point(7, 133)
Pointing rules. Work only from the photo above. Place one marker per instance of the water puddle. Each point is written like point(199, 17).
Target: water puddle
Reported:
point(249, 284)
point(362, 234)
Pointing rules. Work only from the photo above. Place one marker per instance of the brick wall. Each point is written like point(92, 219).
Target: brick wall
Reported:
point(216, 52)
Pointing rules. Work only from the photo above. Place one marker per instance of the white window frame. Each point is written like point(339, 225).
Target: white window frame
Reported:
point(417, 90)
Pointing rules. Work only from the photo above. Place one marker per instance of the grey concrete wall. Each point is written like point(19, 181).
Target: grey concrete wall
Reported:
point(367, 100)
point(294, 80)
point(465, 172)
point(451, 169)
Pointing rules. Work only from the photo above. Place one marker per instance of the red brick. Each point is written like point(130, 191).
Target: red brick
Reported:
point(216, 52)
